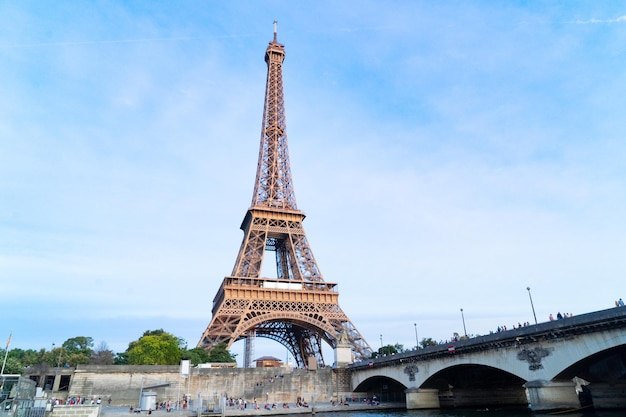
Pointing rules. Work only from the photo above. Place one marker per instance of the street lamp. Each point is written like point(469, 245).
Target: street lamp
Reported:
point(417, 343)
point(59, 359)
point(531, 304)
point(463, 318)
point(57, 368)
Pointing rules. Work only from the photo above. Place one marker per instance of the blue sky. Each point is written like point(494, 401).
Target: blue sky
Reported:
point(447, 154)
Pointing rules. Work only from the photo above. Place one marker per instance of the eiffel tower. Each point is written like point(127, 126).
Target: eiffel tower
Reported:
point(297, 309)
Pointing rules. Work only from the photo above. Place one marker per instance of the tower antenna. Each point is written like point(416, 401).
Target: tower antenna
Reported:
point(275, 22)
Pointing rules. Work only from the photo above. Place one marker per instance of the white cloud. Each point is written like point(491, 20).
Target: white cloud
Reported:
point(595, 21)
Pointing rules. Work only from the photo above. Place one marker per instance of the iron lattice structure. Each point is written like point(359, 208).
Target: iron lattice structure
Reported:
point(297, 308)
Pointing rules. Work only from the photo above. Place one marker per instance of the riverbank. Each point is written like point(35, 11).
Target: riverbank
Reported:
point(249, 411)
point(318, 408)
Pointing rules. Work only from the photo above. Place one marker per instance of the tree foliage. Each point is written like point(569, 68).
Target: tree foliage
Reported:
point(220, 353)
point(54, 357)
point(26, 357)
point(155, 347)
point(13, 366)
point(388, 350)
point(426, 342)
point(75, 351)
point(196, 356)
point(121, 358)
point(79, 345)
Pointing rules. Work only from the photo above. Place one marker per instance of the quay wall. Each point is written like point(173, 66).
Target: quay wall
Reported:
point(76, 411)
point(123, 384)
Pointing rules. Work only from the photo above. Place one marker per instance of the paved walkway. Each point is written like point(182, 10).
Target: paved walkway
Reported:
point(319, 408)
point(235, 412)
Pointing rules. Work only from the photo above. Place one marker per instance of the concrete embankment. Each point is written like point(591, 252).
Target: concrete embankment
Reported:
point(125, 384)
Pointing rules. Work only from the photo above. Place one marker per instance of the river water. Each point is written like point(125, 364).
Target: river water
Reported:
point(467, 413)
point(117, 411)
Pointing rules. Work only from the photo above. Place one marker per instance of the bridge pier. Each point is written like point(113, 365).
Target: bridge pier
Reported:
point(421, 398)
point(546, 396)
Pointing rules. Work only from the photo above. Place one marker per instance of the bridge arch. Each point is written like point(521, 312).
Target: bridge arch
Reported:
point(383, 388)
point(471, 375)
point(608, 365)
point(468, 384)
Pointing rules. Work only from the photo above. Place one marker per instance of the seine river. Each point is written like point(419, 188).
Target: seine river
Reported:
point(466, 413)
point(116, 411)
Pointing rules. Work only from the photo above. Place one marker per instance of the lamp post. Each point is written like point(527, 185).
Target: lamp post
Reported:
point(463, 318)
point(59, 358)
point(56, 371)
point(417, 343)
point(531, 304)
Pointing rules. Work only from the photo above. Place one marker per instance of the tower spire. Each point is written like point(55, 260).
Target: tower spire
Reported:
point(273, 186)
point(275, 22)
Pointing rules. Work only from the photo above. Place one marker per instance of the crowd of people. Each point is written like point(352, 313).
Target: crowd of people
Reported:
point(519, 325)
point(78, 400)
point(560, 316)
point(242, 403)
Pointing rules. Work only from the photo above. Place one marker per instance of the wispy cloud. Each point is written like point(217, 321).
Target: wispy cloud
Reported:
point(620, 19)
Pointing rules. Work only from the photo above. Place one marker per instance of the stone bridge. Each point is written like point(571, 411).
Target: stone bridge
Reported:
point(562, 364)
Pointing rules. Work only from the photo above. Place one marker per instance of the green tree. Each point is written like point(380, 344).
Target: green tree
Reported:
point(220, 353)
point(19, 359)
point(32, 357)
point(196, 356)
point(121, 358)
point(80, 345)
point(54, 357)
point(25, 358)
point(155, 347)
point(74, 351)
point(388, 350)
point(428, 342)
point(13, 366)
